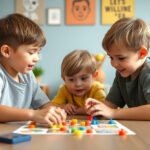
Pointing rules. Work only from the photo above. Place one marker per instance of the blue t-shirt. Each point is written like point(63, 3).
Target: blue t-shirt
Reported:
point(131, 92)
point(25, 94)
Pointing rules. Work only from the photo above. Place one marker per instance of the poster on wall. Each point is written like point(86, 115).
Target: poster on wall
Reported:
point(54, 16)
point(33, 9)
point(80, 12)
point(113, 10)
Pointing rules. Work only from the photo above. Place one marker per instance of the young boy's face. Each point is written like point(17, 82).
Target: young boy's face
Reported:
point(125, 61)
point(23, 59)
point(80, 10)
point(80, 83)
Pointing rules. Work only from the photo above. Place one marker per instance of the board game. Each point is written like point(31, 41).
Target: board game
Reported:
point(78, 127)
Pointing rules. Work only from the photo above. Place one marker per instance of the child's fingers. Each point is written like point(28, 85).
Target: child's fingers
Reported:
point(61, 113)
point(70, 110)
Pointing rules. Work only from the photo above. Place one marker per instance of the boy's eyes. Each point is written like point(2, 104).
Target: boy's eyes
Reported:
point(81, 78)
point(34, 52)
point(84, 78)
point(119, 58)
point(122, 58)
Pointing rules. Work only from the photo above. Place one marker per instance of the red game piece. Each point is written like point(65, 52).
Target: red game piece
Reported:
point(90, 118)
point(122, 132)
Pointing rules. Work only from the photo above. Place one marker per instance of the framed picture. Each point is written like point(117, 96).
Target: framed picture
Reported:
point(54, 16)
point(33, 9)
point(112, 10)
point(80, 12)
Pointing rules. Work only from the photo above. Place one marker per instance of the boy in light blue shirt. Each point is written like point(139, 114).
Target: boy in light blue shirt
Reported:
point(21, 98)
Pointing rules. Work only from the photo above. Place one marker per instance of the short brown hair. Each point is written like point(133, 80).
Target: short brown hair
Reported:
point(16, 29)
point(130, 32)
point(77, 60)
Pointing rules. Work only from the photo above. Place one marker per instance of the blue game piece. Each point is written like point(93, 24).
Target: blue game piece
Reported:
point(111, 121)
point(95, 118)
point(82, 128)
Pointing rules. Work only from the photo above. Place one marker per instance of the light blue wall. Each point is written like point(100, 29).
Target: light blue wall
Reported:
point(64, 38)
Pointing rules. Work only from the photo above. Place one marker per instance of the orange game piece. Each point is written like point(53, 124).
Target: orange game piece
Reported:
point(31, 126)
point(33, 122)
point(64, 123)
point(89, 131)
point(63, 129)
point(122, 132)
point(87, 123)
point(72, 123)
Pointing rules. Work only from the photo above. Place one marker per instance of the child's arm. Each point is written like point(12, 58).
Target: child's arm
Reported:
point(46, 116)
point(108, 110)
point(69, 108)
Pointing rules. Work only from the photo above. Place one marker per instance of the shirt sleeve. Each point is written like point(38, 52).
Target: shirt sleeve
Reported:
point(98, 92)
point(60, 98)
point(39, 98)
point(114, 96)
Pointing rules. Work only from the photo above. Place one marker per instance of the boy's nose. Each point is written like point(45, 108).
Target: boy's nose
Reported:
point(36, 58)
point(78, 82)
point(114, 63)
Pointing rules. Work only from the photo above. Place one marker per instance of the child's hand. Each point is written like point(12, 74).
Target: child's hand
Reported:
point(95, 108)
point(70, 109)
point(81, 111)
point(49, 116)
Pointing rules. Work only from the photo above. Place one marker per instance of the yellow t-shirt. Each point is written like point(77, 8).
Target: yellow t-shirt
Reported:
point(64, 97)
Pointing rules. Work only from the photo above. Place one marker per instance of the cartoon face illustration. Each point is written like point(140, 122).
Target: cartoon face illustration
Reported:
point(30, 5)
point(80, 9)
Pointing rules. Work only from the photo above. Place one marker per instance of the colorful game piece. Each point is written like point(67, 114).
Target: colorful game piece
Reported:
point(60, 126)
point(78, 133)
point(111, 121)
point(87, 123)
point(82, 128)
point(89, 131)
point(72, 123)
point(122, 132)
point(95, 122)
point(63, 129)
point(73, 130)
point(31, 126)
point(54, 126)
point(82, 123)
point(90, 118)
point(64, 123)
point(75, 120)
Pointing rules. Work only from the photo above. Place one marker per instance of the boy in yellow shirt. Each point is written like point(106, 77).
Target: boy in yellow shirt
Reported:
point(78, 71)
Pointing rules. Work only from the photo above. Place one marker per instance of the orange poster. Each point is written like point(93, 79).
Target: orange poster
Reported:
point(80, 12)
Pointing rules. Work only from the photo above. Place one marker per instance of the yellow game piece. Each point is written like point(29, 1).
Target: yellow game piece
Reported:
point(53, 126)
point(82, 123)
point(77, 133)
point(75, 120)
point(60, 126)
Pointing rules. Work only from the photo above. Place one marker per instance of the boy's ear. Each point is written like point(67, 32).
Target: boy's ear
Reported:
point(5, 51)
point(95, 74)
point(143, 52)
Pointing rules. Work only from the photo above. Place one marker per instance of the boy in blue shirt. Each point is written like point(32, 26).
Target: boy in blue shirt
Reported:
point(127, 44)
point(20, 43)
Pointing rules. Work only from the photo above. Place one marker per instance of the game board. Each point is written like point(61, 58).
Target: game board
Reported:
point(74, 126)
